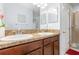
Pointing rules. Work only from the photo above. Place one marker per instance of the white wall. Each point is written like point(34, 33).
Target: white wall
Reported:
point(71, 18)
point(12, 10)
point(65, 25)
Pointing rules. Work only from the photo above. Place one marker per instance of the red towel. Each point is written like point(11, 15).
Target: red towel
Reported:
point(72, 52)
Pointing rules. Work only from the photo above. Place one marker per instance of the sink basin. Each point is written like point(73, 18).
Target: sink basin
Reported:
point(4, 42)
point(45, 33)
point(17, 37)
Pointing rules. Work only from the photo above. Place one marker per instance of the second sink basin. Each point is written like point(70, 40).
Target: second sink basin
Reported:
point(45, 33)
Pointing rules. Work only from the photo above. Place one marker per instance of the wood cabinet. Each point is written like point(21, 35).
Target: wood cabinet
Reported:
point(21, 49)
point(47, 50)
point(47, 46)
point(11, 51)
point(56, 47)
point(51, 46)
point(36, 52)
point(29, 47)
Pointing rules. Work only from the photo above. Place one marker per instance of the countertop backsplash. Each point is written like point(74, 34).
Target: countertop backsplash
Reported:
point(29, 31)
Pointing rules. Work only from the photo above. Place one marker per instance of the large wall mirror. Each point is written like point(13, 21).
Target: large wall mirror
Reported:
point(30, 15)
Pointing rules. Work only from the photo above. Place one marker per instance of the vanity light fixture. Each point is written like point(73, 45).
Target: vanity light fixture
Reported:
point(41, 5)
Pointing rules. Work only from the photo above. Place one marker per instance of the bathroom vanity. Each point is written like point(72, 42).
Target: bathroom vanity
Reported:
point(47, 46)
point(38, 46)
point(30, 19)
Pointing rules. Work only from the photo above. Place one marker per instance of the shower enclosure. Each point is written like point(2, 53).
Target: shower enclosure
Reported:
point(75, 30)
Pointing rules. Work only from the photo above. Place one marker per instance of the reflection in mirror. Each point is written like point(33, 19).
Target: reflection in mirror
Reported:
point(22, 18)
point(19, 18)
point(36, 16)
point(49, 16)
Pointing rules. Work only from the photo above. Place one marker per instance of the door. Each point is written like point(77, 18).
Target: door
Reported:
point(75, 27)
point(64, 28)
point(56, 47)
point(47, 50)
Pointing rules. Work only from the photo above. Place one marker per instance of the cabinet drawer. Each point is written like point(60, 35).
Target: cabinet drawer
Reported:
point(21, 49)
point(46, 41)
point(11, 51)
point(36, 52)
point(31, 46)
point(54, 38)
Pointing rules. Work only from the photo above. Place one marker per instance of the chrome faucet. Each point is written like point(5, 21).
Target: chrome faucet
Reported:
point(18, 31)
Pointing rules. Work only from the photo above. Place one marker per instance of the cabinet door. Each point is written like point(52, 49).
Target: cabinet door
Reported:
point(47, 50)
point(31, 46)
point(56, 47)
point(36, 52)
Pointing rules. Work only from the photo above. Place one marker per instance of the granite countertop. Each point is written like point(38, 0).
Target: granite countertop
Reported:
point(5, 44)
